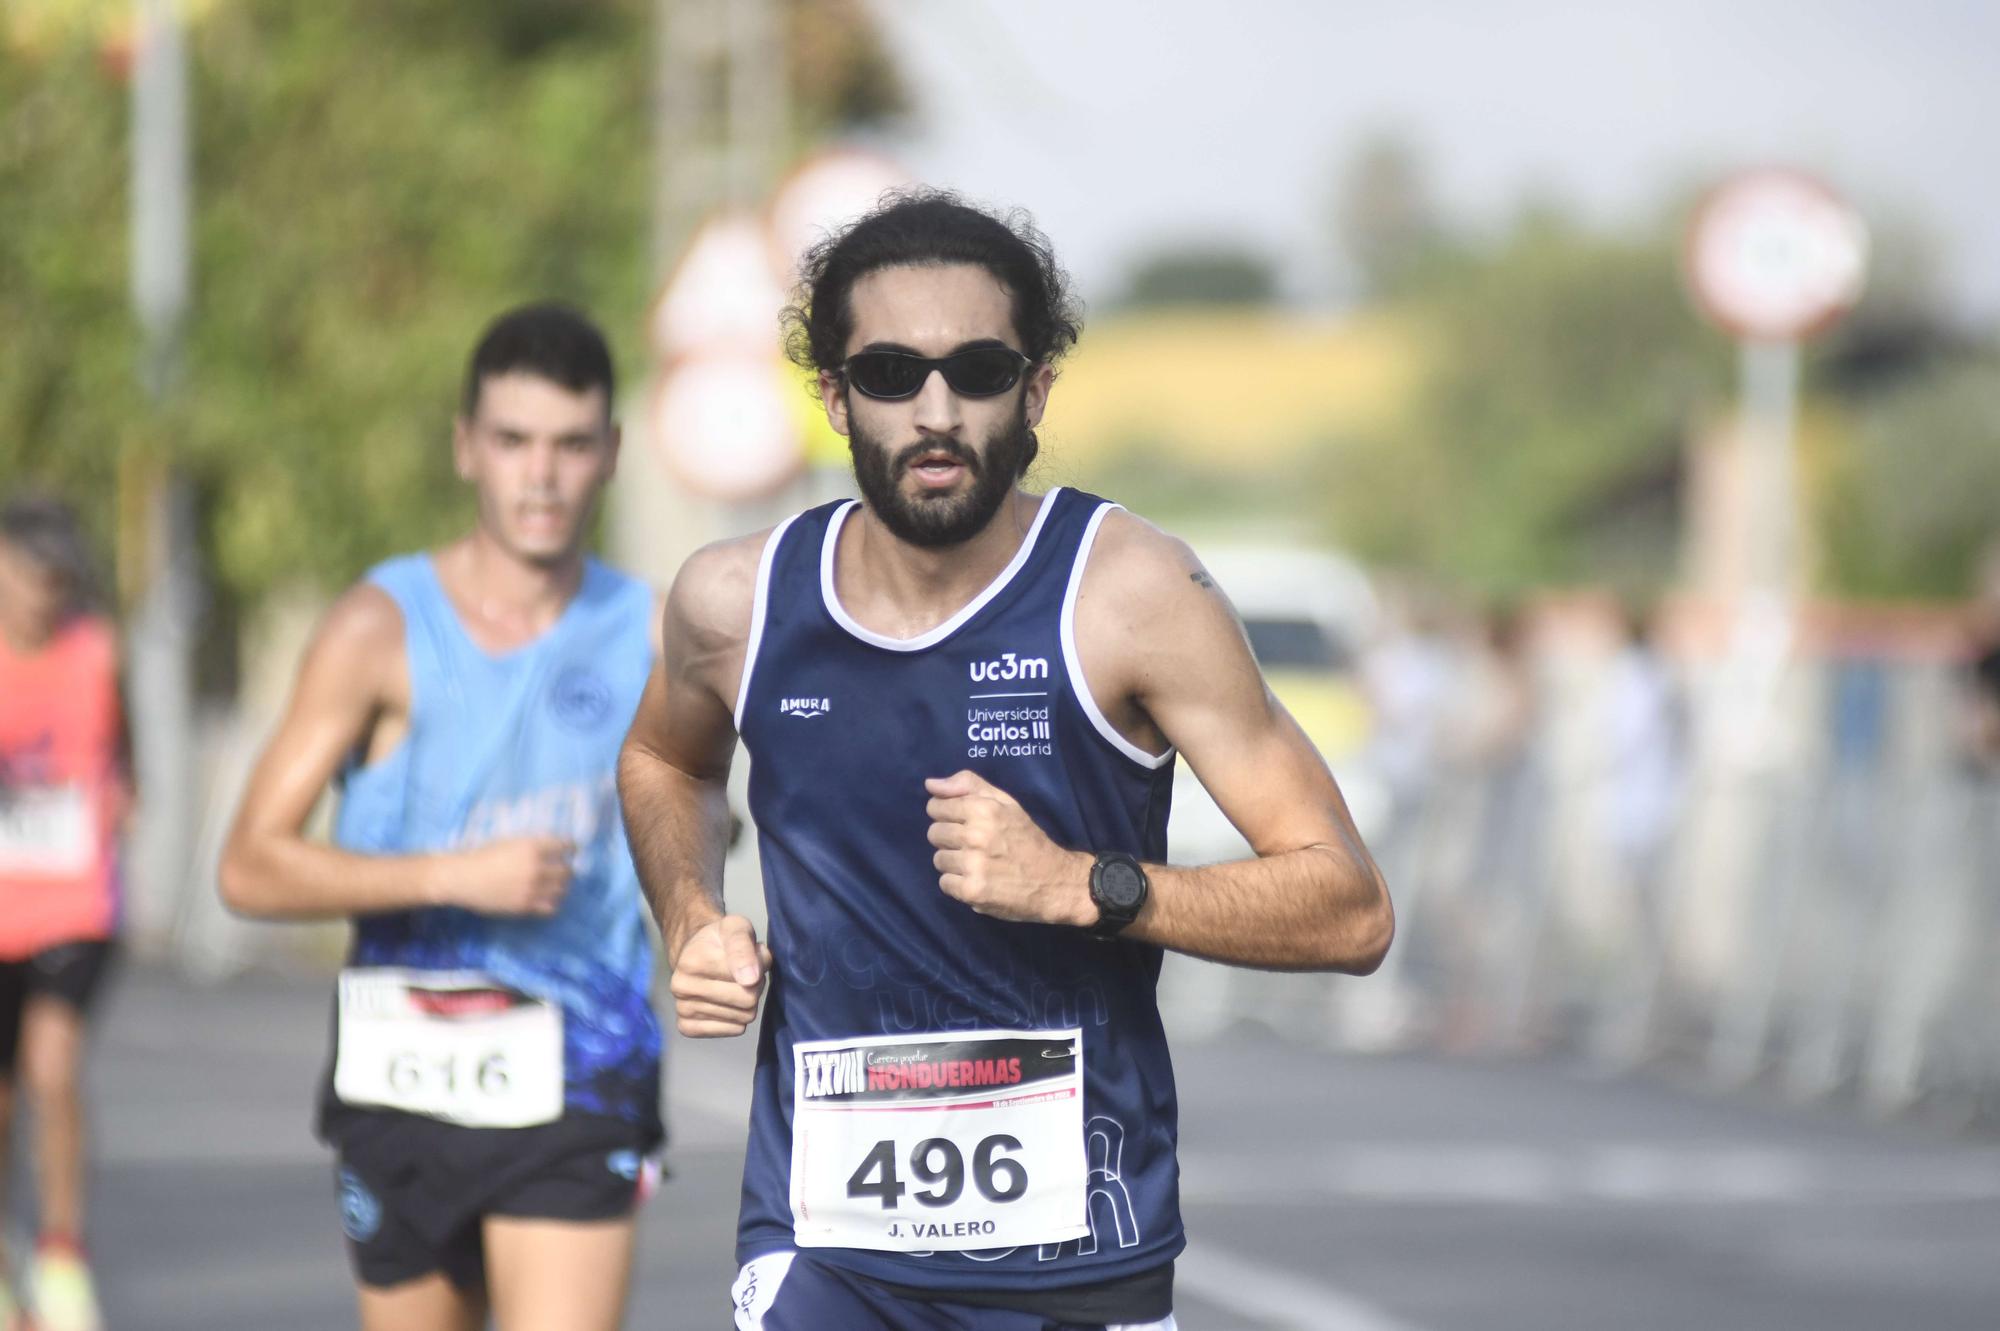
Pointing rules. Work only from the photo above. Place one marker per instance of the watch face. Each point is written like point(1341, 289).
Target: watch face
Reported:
point(1120, 885)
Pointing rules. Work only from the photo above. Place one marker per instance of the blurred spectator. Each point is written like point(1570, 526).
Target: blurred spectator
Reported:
point(1982, 683)
point(1408, 676)
point(1644, 729)
point(1491, 744)
point(64, 792)
point(1493, 707)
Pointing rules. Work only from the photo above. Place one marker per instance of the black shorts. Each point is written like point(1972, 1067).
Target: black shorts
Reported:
point(797, 1291)
point(71, 972)
point(413, 1192)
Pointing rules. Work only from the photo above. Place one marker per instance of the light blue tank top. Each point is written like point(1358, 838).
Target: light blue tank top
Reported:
point(524, 744)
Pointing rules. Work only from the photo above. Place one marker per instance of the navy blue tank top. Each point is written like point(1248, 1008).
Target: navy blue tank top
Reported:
point(843, 725)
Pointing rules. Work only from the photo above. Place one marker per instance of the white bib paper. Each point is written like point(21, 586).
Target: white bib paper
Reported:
point(45, 830)
point(933, 1143)
point(451, 1045)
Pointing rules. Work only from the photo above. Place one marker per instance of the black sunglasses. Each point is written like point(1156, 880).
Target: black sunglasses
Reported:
point(975, 372)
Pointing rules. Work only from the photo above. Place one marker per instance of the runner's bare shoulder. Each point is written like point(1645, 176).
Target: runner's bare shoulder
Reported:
point(359, 644)
point(1137, 573)
point(710, 604)
point(1147, 609)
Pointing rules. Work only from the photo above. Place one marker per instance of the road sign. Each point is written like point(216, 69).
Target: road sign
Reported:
point(826, 192)
point(726, 425)
point(719, 412)
point(1774, 255)
point(722, 293)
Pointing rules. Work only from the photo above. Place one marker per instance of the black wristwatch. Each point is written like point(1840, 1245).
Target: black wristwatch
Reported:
point(1118, 887)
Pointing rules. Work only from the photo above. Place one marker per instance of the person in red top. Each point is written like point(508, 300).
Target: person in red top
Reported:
point(64, 792)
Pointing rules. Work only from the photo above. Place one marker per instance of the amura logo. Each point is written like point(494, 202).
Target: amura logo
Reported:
point(1010, 668)
point(805, 706)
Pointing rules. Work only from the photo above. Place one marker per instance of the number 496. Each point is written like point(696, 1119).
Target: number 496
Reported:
point(937, 1161)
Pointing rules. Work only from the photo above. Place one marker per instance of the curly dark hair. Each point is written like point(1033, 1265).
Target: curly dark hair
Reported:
point(930, 227)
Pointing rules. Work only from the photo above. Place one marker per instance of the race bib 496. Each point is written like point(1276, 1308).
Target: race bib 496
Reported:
point(946, 1142)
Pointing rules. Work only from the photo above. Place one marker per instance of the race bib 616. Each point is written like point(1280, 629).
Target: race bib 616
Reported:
point(451, 1045)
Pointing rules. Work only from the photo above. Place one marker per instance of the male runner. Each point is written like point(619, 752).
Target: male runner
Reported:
point(494, 1085)
point(65, 787)
point(962, 702)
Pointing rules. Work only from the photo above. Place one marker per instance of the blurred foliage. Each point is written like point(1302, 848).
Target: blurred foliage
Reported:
point(1903, 498)
point(1898, 331)
point(1566, 373)
point(842, 76)
point(1560, 364)
point(1911, 503)
point(1386, 223)
point(1211, 274)
point(373, 182)
point(68, 394)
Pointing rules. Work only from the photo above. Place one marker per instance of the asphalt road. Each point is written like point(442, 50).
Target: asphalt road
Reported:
point(1386, 1193)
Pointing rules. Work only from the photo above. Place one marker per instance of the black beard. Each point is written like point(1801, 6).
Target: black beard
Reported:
point(932, 521)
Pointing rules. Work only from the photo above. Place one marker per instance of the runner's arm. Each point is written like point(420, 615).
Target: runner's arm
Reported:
point(673, 772)
point(346, 684)
point(1161, 643)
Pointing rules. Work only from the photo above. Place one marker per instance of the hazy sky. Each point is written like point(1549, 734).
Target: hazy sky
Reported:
point(1120, 123)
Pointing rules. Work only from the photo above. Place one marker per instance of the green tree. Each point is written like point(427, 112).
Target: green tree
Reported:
point(1209, 274)
point(68, 396)
point(1560, 363)
point(842, 76)
point(374, 180)
point(1386, 222)
point(1909, 504)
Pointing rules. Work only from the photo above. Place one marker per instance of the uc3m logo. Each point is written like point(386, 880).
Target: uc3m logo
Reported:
point(1009, 668)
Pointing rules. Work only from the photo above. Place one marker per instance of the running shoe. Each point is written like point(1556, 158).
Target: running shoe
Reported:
point(65, 1297)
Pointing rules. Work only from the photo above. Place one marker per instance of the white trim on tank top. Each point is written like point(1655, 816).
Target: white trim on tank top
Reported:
point(1080, 686)
point(950, 626)
point(758, 605)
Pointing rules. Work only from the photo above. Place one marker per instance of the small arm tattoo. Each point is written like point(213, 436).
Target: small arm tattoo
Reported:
point(1200, 578)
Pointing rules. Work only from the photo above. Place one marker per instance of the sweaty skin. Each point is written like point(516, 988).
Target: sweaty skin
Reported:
point(1162, 651)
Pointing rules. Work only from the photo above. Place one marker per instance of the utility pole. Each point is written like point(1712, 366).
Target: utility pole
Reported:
point(721, 99)
point(1773, 257)
point(721, 109)
point(759, 101)
point(722, 94)
point(160, 553)
point(687, 161)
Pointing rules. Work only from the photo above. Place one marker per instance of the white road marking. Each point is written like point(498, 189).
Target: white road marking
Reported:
point(1634, 1173)
point(1275, 1296)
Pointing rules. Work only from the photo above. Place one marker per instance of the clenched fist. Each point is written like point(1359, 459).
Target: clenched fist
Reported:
point(719, 978)
point(992, 857)
point(519, 876)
